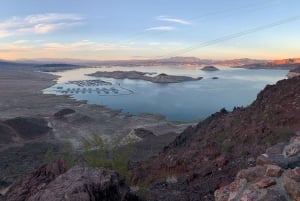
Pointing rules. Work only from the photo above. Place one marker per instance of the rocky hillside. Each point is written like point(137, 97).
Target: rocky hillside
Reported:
point(276, 176)
point(208, 156)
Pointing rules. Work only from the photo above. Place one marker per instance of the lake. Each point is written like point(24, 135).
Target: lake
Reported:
point(184, 101)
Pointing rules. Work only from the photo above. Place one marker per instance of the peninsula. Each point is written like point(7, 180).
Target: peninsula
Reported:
point(136, 75)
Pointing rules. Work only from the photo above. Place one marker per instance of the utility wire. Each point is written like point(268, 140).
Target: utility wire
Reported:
point(232, 36)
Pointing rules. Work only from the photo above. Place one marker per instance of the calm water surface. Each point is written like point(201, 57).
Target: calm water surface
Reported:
point(180, 101)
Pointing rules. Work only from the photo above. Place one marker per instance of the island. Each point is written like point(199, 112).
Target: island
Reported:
point(136, 75)
point(209, 68)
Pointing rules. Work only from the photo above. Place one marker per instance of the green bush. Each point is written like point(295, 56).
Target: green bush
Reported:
point(67, 154)
point(98, 153)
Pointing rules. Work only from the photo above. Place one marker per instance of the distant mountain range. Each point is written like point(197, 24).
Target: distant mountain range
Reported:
point(283, 63)
point(142, 62)
point(192, 61)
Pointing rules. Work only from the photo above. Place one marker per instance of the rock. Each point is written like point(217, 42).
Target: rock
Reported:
point(63, 112)
point(293, 162)
point(231, 191)
point(252, 173)
point(250, 195)
point(276, 149)
point(251, 161)
point(51, 182)
point(272, 159)
point(292, 149)
point(85, 184)
point(273, 195)
point(291, 183)
point(263, 159)
point(32, 183)
point(273, 171)
point(264, 182)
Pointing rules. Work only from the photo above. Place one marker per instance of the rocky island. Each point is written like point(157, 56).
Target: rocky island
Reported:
point(161, 78)
point(209, 68)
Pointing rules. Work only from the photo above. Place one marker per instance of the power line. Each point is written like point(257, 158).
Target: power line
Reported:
point(232, 36)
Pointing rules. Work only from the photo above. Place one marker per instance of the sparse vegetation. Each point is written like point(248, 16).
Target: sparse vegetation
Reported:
point(98, 153)
point(227, 146)
point(67, 154)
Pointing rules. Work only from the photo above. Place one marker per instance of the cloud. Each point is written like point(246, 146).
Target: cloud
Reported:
point(39, 24)
point(175, 20)
point(161, 28)
point(85, 45)
point(154, 43)
point(20, 42)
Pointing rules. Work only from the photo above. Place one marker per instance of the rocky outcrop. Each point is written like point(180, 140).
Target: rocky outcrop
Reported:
point(209, 155)
point(31, 184)
point(53, 182)
point(275, 178)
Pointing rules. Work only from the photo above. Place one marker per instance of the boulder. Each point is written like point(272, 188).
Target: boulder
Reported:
point(273, 171)
point(250, 195)
point(252, 173)
point(231, 191)
point(264, 182)
point(292, 149)
point(291, 183)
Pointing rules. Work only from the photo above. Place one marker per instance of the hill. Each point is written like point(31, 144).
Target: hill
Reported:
point(207, 156)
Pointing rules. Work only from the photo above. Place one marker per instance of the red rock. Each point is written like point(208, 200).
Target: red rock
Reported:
point(291, 183)
point(273, 171)
point(264, 182)
point(231, 191)
point(252, 173)
point(263, 160)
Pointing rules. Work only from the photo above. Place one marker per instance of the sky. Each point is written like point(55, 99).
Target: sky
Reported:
point(137, 29)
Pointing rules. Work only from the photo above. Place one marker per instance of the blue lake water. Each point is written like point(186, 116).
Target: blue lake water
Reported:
point(180, 101)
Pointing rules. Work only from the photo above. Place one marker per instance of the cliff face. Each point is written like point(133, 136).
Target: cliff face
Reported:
point(207, 156)
point(286, 61)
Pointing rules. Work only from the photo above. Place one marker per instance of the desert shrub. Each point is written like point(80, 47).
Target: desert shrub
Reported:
point(67, 154)
point(227, 146)
point(99, 153)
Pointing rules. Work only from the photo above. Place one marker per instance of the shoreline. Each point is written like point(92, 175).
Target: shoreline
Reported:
point(22, 96)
